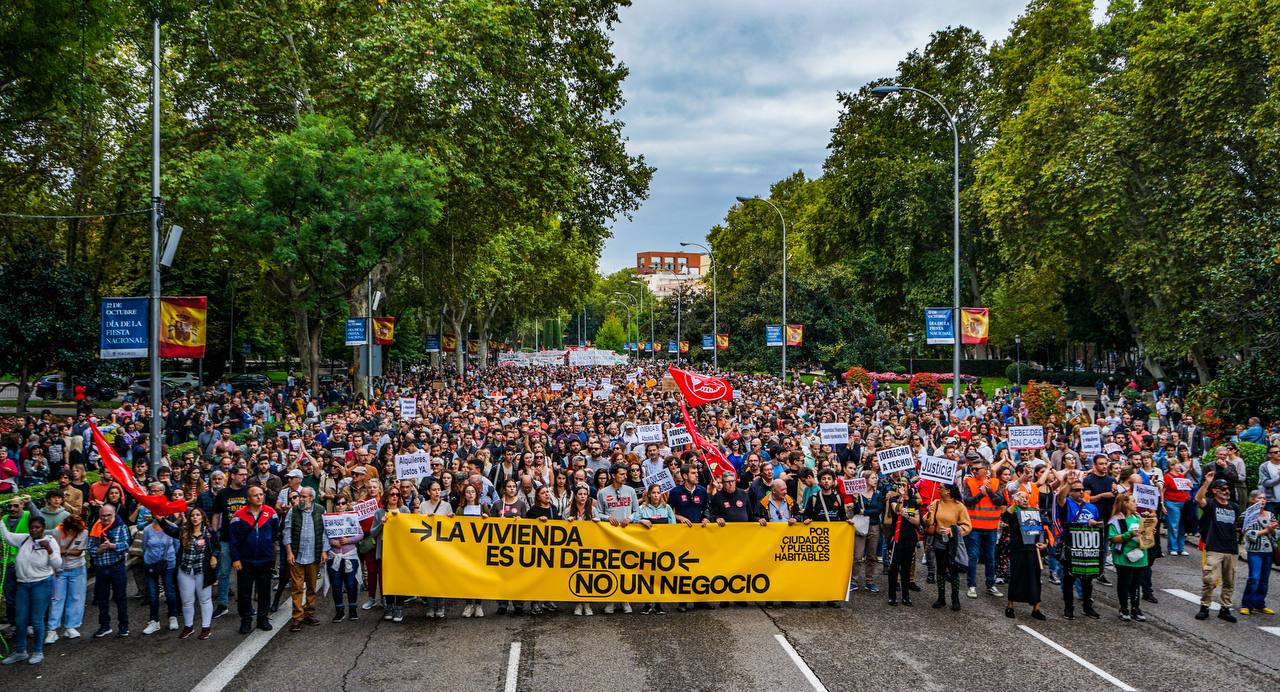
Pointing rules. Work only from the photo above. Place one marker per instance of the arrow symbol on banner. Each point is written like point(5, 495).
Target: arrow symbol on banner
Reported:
point(684, 561)
point(425, 531)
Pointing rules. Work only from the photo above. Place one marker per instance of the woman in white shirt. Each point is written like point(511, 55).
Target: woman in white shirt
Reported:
point(39, 556)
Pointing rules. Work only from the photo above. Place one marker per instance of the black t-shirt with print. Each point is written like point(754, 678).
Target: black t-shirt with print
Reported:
point(1218, 527)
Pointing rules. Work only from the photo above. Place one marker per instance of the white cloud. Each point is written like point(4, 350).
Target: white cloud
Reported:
point(728, 96)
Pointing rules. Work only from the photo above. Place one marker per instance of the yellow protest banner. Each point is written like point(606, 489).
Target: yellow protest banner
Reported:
point(525, 559)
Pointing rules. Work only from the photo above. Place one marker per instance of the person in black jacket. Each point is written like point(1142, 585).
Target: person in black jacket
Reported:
point(825, 505)
point(197, 568)
point(731, 503)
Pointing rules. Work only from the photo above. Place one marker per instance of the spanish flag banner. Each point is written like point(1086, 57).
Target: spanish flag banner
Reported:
point(473, 346)
point(684, 346)
point(384, 330)
point(450, 343)
point(182, 326)
point(795, 334)
point(722, 342)
point(974, 323)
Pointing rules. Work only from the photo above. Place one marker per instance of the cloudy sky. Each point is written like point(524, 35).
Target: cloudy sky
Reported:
point(727, 96)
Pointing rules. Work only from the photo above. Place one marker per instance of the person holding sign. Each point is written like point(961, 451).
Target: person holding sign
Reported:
point(1260, 539)
point(1028, 536)
point(826, 505)
point(1124, 533)
point(1177, 490)
point(905, 513)
point(653, 509)
point(1082, 546)
point(983, 497)
point(343, 567)
point(948, 522)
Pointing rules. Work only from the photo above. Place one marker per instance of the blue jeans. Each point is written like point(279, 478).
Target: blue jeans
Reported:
point(1177, 536)
point(67, 607)
point(169, 576)
point(32, 601)
point(344, 581)
point(982, 541)
point(1255, 589)
point(110, 583)
point(224, 573)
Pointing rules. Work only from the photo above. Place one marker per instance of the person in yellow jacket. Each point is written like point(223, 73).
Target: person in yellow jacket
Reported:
point(984, 498)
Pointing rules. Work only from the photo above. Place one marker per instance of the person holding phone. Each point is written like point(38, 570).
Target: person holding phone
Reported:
point(38, 557)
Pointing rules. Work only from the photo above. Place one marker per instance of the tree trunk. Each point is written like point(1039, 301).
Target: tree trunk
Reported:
point(457, 319)
point(1203, 371)
point(24, 388)
point(483, 335)
point(306, 335)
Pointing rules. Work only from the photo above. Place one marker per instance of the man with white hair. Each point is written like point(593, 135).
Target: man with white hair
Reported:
point(304, 545)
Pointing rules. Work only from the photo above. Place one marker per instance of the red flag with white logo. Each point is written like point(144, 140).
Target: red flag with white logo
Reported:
point(715, 458)
point(701, 389)
point(121, 474)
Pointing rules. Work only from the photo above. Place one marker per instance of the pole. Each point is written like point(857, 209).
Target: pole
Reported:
point(784, 278)
point(157, 422)
point(368, 341)
point(955, 260)
point(231, 330)
point(715, 309)
point(679, 310)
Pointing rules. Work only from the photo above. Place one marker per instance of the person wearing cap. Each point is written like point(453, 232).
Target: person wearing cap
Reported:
point(1219, 519)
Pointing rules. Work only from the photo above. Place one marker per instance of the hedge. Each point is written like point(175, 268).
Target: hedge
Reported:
point(1253, 454)
point(1073, 378)
point(38, 493)
point(981, 368)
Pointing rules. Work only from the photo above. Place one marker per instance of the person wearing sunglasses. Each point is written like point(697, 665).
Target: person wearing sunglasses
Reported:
point(1219, 519)
point(1075, 511)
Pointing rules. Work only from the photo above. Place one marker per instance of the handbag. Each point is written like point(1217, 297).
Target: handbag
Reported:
point(961, 558)
point(862, 524)
point(366, 545)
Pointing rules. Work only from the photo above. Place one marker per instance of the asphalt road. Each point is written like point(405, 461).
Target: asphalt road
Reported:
point(864, 645)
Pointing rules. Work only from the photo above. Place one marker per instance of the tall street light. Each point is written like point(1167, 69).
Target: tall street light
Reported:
point(653, 348)
point(628, 309)
point(630, 322)
point(911, 353)
point(1017, 339)
point(758, 198)
point(715, 308)
point(955, 240)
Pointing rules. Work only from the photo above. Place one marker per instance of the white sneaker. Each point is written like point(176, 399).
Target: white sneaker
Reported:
point(440, 612)
point(608, 609)
point(466, 610)
point(51, 637)
point(151, 628)
point(626, 608)
point(577, 609)
point(478, 612)
point(586, 608)
point(369, 604)
point(173, 624)
point(972, 592)
point(71, 633)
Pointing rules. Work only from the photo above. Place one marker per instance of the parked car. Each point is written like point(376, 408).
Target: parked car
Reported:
point(250, 381)
point(47, 387)
point(141, 388)
point(182, 380)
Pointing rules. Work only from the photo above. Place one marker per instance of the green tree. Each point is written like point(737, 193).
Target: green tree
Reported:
point(316, 211)
point(47, 323)
point(611, 335)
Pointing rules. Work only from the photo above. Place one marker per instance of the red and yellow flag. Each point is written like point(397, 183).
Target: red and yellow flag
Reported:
point(449, 343)
point(974, 323)
point(183, 323)
point(473, 346)
point(795, 334)
point(684, 346)
point(384, 330)
point(722, 341)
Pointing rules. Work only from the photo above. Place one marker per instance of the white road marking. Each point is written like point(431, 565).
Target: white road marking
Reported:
point(1190, 597)
point(1069, 654)
point(513, 667)
point(240, 656)
point(804, 667)
point(1271, 630)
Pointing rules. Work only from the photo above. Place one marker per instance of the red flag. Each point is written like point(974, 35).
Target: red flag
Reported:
point(701, 389)
point(158, 505)
point(715, 458)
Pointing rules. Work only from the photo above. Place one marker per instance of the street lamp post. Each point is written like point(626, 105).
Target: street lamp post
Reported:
point(744, 200)
point(1017, 340)
point(715, 308)
point(632, 323)
point(955, 260)
point(653, 348)
point(628, 309)
point(911, 354)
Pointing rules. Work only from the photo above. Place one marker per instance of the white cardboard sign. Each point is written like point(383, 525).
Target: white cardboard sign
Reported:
point(895, 459)
point(1026, 437)
point(650, 433)
point(834, 433)
point(940, 469)
point(413, 466)
point(679, 437)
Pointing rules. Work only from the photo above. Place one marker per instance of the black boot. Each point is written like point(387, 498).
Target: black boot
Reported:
point(942, 596)
point(955, 598)
point(351, 613)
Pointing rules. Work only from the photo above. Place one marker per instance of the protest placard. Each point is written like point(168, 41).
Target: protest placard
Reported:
point(413, 466)
point(1085, 549)
point(342, 525)
point(1183, 484)
point(1030, 526)
point(580, 383)
point(678, 437)
point(940, 469)
point(599, 394)
point(1091, 440)
point(853, 486)
point(1026, 437)
point(834, 433)
point(1146, 496)
point(662, 479)
point(556, 387)
point(408, 407)
point(367, 508)
point(650, 433)
point(895, 459)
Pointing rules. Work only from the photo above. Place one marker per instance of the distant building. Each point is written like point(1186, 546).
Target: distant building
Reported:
point(664, 271)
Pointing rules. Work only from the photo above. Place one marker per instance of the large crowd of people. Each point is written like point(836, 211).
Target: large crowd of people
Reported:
point(259, 470)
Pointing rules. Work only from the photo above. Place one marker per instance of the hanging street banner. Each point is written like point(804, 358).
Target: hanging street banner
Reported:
point(672, 347)
point(773, 335)
point(708, 342)
point(795, 335)
point(124, 328)
point(467, 557)
point(722, 342)
point(939, 328)
point(433, 343)
point(183, 326)
point(357, 331)
point(449, 344)
point(974, 323)
point(384, 330)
